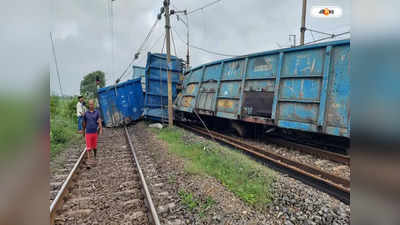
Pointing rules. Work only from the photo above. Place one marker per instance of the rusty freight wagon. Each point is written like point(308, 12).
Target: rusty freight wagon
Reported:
point(304, 89)
point(121, 103)
point(156, 91)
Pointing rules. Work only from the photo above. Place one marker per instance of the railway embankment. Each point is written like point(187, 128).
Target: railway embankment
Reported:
point(265, 196)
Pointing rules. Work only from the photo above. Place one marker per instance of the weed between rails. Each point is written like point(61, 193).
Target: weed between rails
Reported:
point(193, 204)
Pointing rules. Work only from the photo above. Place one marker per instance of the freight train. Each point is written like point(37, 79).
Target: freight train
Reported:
point(145, 94)
point(301, 92)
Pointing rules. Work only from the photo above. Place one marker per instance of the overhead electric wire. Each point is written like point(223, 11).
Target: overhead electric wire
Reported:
point(56, 63)
point(112, 37)
point(158, 39)
point(108, 28)
point(203, 49)
point(212, 52)
point(136, 55)
point(148, 35)
point(316, 31)
point(162, 48)
point(203, 7)
point(312, 35)
point(341, 26)
point(333, 36)
point(173, 6)
point(173, 43)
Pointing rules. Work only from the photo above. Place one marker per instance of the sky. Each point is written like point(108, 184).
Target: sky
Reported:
point(85, 41)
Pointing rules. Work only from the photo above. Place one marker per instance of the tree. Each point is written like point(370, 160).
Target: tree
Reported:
point(88, 84)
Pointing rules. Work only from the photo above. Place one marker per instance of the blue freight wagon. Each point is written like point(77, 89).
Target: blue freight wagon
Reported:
point(122, 103)
point(304, 88)
point(139, 72)
point(156, 96)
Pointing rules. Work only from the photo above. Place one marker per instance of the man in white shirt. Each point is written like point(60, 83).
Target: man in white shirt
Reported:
point(80, 111)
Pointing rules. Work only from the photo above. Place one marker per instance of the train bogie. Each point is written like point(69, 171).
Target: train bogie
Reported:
point(305, 88)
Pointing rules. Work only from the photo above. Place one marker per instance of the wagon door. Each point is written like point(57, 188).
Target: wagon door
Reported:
point(208, 89)
point(258, 93)
point(230, 89)
point(114, 112)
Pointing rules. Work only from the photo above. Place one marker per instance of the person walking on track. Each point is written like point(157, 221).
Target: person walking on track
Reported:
point(80, 111)
point(91, 123)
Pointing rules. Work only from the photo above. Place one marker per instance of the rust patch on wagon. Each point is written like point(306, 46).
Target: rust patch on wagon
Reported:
point(263, 64)
point(259, 120)
point(187, 101)
point(190, 89)
point(225, 103)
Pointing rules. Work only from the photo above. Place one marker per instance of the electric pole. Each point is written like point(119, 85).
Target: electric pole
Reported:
point(167, 30)
point(185, 12)
point(187, 41)
point(303, 22)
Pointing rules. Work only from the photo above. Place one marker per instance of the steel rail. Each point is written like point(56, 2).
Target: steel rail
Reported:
point(149, 200)
point(337, 186)
point(56, 203)
point(336, 157)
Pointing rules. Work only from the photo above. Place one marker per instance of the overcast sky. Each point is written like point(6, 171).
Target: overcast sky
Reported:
point(83, 37)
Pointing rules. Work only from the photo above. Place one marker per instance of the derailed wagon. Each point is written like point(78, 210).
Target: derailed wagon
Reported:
point(304, 88)
point(156, 96)
point(122, 103)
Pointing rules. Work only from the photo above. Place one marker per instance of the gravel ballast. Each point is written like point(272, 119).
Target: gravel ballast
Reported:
point(293, 202)
point(325, 165)
point(109, 192)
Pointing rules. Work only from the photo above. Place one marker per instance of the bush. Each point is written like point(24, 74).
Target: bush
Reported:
point(54, 102)
point(57, 135)
point(63, 123)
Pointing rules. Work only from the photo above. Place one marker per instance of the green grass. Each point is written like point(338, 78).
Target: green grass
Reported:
point(192, 203)
point(188, 200)
point(247, 179)
point(63, 124)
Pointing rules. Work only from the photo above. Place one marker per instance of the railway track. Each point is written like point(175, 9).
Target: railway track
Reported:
point(59, 175)
point(112, 192)
point(334, 185)
point(332, 156)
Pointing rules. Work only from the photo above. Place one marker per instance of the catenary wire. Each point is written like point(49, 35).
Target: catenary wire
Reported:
point(333, 36)
point(341, 26)
point(312, 35)
point(173, 42)
point(165, 38)
point(107, 27)
point(320, 32)
point(203, 49)
point(203, 7)
point(56, 63)
point(158, 39)
point(136, 55)
point(112, 38)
